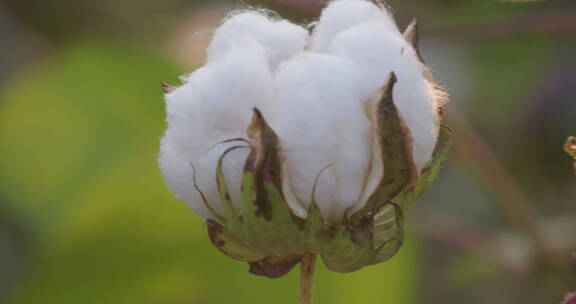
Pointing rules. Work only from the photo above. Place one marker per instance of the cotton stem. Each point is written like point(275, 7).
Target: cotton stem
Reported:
point(307, 265)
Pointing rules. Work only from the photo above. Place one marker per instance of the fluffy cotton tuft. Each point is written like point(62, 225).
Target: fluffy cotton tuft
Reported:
point(319, 117)
point(342, 15)
point(214, 104)
point(280, 38)
point(378, 52)
point(311, 91)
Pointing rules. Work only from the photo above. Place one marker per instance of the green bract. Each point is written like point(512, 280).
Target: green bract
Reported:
point(265, 232)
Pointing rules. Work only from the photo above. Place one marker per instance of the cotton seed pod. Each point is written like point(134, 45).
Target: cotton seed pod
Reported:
point(289, 143)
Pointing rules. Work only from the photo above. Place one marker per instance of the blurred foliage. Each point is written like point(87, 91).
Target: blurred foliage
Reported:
point(54, 18)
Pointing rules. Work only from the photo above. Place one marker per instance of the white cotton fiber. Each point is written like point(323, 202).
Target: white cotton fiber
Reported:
point(319, 118)
point(344, 14)
point(213, 105)
point(280, 38)
point(378, 52)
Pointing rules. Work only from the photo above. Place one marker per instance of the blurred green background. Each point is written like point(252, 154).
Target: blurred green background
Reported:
point(85, 216)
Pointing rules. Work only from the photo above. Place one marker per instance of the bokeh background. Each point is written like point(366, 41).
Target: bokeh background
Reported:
point(85, 216)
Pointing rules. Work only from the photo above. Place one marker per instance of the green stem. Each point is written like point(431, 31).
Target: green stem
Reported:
point(307, 264)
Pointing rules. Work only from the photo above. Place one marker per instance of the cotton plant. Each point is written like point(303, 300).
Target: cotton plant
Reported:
point(292, 144)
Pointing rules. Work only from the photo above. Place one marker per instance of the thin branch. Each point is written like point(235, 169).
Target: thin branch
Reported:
point(551, 22)
point(515, 205)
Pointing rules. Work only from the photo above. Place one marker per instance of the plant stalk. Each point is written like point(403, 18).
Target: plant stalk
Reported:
point(307, 265)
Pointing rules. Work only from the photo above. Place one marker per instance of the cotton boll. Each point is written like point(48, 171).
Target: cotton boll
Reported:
point(316, 137)
point(320, 122)
point(341, 15)
point(378, 52)
point(281, 39)
point(213, 105)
